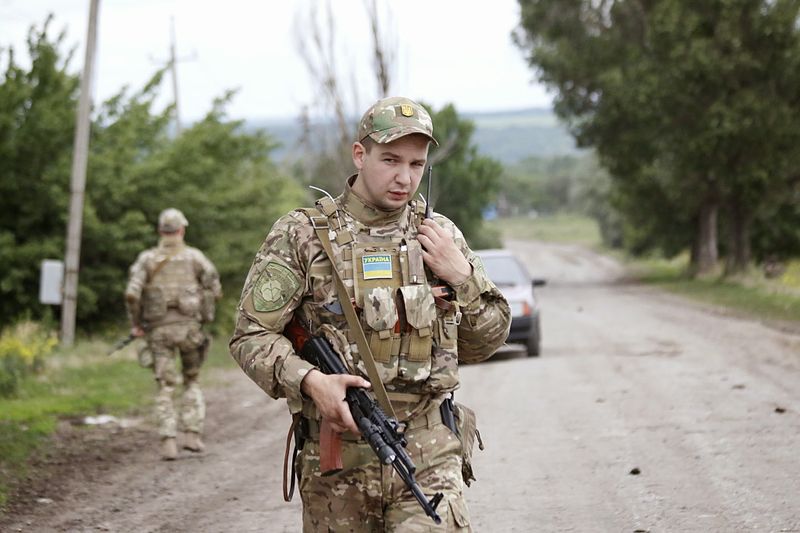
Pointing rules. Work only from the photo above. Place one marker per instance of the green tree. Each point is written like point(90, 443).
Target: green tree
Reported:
point(689, 105)
point(220, 176)
point(548, 185)
point(37, 117)
point(464, 183)
point(776, 231)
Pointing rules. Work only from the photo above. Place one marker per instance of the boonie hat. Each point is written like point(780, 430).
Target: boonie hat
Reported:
point(394, 117)
point(171, 220)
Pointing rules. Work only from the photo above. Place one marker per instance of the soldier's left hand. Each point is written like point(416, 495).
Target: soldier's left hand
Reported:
point(441, 254)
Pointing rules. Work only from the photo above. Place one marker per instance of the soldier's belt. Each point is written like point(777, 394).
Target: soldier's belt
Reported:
point(155, 325)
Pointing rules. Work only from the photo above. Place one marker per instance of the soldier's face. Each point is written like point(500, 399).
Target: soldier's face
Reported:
point(389, 174)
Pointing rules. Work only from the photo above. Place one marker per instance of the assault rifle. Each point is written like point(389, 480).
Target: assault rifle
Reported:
point(120, 344)
point(381, 432)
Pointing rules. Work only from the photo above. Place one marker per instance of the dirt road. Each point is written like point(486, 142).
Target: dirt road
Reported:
point(644, 413)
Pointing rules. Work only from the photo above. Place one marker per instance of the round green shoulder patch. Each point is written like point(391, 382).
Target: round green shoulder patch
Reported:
point(274, 288)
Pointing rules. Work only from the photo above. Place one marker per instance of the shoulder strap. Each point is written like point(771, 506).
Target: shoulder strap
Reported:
point(161, 264)
point(320, 225)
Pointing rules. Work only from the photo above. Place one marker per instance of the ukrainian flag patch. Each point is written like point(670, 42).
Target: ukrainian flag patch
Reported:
point(377, 266)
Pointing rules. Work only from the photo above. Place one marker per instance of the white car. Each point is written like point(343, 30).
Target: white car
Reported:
point(517, 285)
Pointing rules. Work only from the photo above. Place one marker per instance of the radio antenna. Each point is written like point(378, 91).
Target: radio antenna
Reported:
point(428, 210)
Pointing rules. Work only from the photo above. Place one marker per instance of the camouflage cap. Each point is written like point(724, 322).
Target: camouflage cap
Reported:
point(171, 220)
point(394, 117)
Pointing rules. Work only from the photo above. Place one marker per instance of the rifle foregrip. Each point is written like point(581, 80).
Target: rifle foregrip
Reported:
point(318, 351)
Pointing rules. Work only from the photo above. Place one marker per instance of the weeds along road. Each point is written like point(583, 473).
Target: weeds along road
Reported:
point(644, 413)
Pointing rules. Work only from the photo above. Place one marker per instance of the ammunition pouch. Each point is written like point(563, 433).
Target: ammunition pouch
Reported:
point(380, 316)
point(154, 304)
point(421, 316)
point(145, 356)
point(466, 429)
point(189, 302)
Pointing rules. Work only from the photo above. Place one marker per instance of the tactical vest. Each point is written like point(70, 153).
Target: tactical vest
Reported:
point(172, 291)
point(406, 326)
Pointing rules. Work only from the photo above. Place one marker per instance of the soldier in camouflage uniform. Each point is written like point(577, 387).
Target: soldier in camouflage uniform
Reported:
point(171, 292)
point(389, 257)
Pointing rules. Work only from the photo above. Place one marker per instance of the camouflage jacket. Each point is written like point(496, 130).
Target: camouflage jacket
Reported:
point(292, 274)
point(170, 283)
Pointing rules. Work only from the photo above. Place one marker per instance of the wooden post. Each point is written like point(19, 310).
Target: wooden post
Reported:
point(174, 68)
point(78, 184)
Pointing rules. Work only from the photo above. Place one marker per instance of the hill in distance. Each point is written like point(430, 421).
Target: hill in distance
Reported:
point(508, 136)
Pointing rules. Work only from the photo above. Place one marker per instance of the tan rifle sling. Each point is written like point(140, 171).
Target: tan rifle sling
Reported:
point(320, 224)
point(161, 264)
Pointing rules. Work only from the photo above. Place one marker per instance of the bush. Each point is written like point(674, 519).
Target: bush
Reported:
point(23, 349)
point(791, 276)
point(218, 174)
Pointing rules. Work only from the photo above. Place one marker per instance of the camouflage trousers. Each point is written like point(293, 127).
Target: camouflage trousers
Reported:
point(369, 497)
point(191, 344)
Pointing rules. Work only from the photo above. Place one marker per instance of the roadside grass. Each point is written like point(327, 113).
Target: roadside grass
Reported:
point(77, 382)
point(564, 228)
point(750, 294)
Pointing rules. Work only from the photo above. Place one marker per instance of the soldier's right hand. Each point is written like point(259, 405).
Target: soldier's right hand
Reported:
point(328, 392)
point(137, 331)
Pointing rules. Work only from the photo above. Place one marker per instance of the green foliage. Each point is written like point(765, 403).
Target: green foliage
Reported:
point(558, 185)
point(791, 276)
point(37, 110)
point(753, 297)
point(23, 350)
point(690, 105)
point(548, 185)
point(464, 183)
point(217, 174)
point(776, 229)
point(562, 227)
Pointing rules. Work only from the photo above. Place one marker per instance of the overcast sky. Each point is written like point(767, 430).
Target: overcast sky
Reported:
point(457, 51)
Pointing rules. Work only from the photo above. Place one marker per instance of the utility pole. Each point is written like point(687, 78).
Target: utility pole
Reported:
point(173, 67)
point(80, 155)
point(172, 64)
